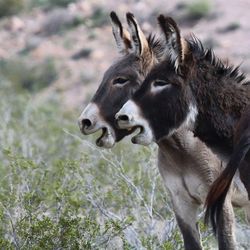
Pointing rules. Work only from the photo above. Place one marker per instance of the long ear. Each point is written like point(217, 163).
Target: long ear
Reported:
point(139, 41)
point(176, 47)
point(121, 35)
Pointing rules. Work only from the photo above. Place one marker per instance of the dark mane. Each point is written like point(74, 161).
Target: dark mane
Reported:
point(223, 69)
point(157, 46)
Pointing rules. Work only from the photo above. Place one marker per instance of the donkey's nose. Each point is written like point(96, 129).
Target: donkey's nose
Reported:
point(89, 120)
point(86, 123)
point(124, 118)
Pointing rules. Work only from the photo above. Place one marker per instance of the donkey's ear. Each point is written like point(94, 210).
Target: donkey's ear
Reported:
point(139, 41)
point(176, 46)
point(121, 35)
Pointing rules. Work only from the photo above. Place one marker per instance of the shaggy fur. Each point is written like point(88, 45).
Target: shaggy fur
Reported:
point(221, 95)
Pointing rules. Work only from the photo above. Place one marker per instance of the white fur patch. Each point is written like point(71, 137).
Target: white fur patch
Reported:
point(92, 113)
point(188, 122)
point(191, 117)
point(132, 111)
point(156, 89)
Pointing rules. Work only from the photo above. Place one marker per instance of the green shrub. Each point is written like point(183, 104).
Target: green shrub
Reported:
point(99, 18)
point(51, 3)
point(199, 8)
point(22, 74)
point(10, 7)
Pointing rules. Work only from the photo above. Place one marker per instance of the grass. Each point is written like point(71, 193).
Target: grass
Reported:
point(58, 191)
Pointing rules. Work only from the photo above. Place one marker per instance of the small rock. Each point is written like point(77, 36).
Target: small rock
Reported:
point(83, 53)
point(229, 28)
point(16, 24)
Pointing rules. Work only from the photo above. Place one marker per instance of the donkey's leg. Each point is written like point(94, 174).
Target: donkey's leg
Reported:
point(245, 173)
point(242, 137)
point(184, 206)
point(247, 213)
point(186, 213)
point(225, 232)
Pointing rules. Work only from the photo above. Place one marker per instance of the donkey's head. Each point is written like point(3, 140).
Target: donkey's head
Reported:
point(120, 81)
point(164, 102)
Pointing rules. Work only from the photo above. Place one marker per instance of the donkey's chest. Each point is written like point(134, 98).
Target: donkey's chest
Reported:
point(186, 185)
point(183, 180)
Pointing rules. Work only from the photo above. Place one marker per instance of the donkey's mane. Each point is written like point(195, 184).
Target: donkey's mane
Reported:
point(157, 46)
point(223, 69)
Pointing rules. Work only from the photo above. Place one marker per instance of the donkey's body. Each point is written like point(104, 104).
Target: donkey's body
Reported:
point(193, 89)
point(188, 169)
point(221, 96)
point(186, 165)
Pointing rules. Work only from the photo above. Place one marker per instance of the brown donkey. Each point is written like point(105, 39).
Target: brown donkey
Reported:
point(193, 89)
point(186, 165)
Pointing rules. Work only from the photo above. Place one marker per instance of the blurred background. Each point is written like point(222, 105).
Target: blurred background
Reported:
point(57, 190)
point(64, 46)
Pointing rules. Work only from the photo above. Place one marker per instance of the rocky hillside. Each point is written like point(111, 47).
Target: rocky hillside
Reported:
point(77, 42)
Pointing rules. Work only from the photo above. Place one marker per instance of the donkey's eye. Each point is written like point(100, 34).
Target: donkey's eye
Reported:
point(120, 80)
point(160, 83)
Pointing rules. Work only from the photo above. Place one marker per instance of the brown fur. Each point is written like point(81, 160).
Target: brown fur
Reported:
point(182, 158)
point(202, 93)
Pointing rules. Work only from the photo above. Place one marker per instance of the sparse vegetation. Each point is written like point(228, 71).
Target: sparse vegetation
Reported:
point(98, 18)
point(50, 3)
point(59, 192)
point(199, 8)
point(30, 76)
point(10, 7)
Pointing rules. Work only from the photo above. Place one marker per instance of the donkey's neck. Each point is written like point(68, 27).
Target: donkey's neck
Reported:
point(220, 98)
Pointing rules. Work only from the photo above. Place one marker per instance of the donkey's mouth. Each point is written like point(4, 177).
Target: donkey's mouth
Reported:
point(106, 139)
point(144, 137)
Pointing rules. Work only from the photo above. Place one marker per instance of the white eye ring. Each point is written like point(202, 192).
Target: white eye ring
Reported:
point(159, 85)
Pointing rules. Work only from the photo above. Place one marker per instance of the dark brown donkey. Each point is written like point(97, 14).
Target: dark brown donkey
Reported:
point(193, 89)
point(186, 165)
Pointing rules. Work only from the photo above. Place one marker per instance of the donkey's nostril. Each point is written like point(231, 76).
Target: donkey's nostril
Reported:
point(123, 118)
point(86, 123)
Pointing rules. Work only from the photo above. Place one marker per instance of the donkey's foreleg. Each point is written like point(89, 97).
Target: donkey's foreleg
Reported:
point(247, 214)
point(245, 173)
point(186, 213)
point(184, 206)
point(225, 232)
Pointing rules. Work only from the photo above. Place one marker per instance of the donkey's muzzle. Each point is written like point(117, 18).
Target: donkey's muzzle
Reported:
point(124, 121)
point(88, 120)
point(123, 118)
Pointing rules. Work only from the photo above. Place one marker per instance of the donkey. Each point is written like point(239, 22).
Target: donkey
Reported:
point(187, 185)
point(192, 89)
